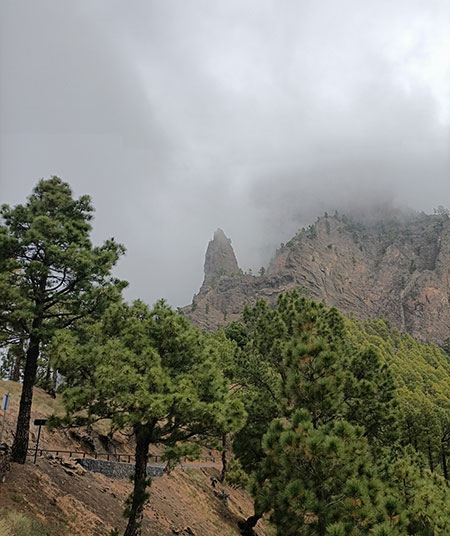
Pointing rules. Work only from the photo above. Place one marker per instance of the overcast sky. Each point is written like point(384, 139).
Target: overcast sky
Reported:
point(179, 117)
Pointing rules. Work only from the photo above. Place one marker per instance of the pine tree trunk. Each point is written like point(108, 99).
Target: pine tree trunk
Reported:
point(430, 456)
point(15, 373)
point(20, 445)
point(224, 459)
point(47, 376)
point(444, 462)
point(168, 467)
point(140, 484)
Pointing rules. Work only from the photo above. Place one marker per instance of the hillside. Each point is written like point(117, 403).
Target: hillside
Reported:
point(396, 268)
point(48, 500)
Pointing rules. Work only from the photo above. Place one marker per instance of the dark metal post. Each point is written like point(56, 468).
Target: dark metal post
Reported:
point(37, 443)
point(38, 422)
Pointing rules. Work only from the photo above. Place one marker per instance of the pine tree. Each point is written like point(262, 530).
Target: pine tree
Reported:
point(315, 479)
point(153, 373)
point(298, 356)
point(50, 276)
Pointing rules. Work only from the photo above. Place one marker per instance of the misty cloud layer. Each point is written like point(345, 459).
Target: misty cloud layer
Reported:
point(253, 116)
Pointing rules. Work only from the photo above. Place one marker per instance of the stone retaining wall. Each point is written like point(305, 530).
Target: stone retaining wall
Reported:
point(116, 469)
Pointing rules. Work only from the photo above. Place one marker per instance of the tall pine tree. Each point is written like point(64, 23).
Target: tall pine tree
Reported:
point(152, 373)
point(50, 276)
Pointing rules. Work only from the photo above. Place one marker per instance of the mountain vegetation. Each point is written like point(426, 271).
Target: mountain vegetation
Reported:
point(342, 437)
point(153, 373)
point(337, 426)
point(50, 277)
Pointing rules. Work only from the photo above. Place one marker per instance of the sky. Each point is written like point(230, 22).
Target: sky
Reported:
point(255, 116)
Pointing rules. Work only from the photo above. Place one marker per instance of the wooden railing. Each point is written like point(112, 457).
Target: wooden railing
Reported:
point(109, 456)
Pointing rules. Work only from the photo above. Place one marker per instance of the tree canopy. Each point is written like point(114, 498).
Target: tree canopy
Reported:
point(151, 372)
point(326, 440)
point(50, 276)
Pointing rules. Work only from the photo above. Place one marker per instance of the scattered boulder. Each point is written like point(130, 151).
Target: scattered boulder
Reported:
point(186, 530)
point(222, 496)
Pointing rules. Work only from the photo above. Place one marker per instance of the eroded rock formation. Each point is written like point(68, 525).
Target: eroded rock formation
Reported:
point(220, 259)
point(397, 269)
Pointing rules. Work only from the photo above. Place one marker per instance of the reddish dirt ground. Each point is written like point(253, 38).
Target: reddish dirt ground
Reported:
point(89, 504)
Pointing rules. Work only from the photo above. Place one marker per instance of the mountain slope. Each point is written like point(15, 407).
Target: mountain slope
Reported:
point(397, 268)
point(47, 499)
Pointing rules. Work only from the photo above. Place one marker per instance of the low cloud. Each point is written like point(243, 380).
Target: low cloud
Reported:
point(181, 117)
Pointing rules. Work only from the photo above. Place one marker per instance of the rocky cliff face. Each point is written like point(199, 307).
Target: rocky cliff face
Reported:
point(220, 259)
point(398, 269)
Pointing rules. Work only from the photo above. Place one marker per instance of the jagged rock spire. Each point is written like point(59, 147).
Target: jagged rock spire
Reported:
point(220, 258)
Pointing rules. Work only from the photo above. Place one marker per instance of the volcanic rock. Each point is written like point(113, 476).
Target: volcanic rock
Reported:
point(397, 268)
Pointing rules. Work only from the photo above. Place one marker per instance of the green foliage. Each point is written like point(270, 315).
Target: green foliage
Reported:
point(422, 377)
point(293, 357)
point(17, 524)
point(50, 277)
point(137, 366)
point(415, 499)
point(343, 418)
point(446, 346)
point(50, 273)
point(153, 373)
point(319, 481)
point(236, 476)
point(297, 356)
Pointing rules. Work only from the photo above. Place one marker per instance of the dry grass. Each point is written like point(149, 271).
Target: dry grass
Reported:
point(39, 500)
point(43, 404)
point(18, 524)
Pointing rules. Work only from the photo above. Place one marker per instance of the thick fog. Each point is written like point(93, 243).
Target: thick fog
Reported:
point(179, 117)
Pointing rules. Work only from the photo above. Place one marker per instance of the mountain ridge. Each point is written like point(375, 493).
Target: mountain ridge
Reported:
point(397, 268)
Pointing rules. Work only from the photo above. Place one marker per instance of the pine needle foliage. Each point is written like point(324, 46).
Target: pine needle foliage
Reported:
point(149, 372)
point(330, 441)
